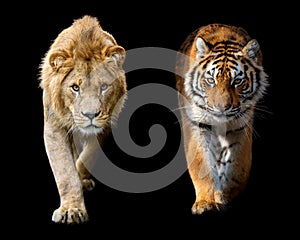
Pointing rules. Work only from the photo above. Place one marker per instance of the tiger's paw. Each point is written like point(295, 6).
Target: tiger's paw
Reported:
point(202, 206)
point(69, 215)
point(88, 184)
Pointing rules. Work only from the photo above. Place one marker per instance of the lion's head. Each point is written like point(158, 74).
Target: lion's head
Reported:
point(82, 78)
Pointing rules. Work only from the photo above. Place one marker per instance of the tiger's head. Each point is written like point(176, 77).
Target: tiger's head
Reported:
point(225, 80)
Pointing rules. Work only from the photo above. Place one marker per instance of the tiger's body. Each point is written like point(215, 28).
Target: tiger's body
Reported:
point(220, 79)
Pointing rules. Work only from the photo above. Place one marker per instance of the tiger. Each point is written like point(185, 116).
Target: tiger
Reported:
point(220, 78)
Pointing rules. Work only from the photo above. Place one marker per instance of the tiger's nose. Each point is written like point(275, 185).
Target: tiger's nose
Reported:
point(90, 115)
point(223, 107)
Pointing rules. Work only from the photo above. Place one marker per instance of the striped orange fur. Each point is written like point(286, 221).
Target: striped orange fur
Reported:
point(220, 79)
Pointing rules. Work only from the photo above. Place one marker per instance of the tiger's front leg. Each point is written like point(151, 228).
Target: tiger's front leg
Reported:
point(204, 178)
point(72, 207)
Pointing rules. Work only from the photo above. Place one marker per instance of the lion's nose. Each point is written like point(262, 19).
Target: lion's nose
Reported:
point(90, 115)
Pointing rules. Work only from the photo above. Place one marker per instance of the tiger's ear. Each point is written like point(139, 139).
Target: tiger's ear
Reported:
point(117, 53)
point(202, 48)
point(251, 49)
point(57, 60)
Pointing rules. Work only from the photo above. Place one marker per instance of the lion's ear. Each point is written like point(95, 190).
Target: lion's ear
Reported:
point(57, 60)
point(117, 53)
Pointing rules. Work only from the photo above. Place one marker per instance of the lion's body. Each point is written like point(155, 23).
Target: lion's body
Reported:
point(219, 79)
point(84, 89)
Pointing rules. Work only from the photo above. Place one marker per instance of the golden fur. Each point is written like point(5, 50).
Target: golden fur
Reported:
point(220, 79)
point(84, 89)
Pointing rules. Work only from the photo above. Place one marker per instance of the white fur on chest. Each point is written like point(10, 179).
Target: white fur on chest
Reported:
point(219, 151)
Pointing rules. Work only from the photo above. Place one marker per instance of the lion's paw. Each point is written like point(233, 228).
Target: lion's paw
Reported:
point(69, 215)
point(88, 184)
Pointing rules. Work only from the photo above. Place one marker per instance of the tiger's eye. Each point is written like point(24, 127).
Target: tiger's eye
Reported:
point(237, 81)
point(210, 81)
point(75, 87)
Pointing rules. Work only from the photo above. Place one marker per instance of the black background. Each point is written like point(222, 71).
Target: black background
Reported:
point(267, 206)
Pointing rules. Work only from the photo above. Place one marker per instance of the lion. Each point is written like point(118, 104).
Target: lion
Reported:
point(84, 90)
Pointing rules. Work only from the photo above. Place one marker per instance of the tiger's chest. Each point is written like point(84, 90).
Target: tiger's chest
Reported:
point(220, 147)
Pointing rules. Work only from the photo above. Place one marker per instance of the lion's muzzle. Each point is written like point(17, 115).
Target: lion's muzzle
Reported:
point(92, 122)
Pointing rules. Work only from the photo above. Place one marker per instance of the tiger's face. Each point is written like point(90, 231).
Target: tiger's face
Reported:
point(224, 82)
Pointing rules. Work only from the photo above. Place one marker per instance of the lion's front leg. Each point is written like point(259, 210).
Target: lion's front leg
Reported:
point(86, 161)
point(87, 182)
point(72, 207)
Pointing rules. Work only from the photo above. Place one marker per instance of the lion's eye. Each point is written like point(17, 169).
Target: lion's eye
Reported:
point(75, 87)
point(104, 86)
point(210, 81)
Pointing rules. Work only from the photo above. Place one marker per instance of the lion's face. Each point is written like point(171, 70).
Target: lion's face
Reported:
point(83, 80)
point(94, 98)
